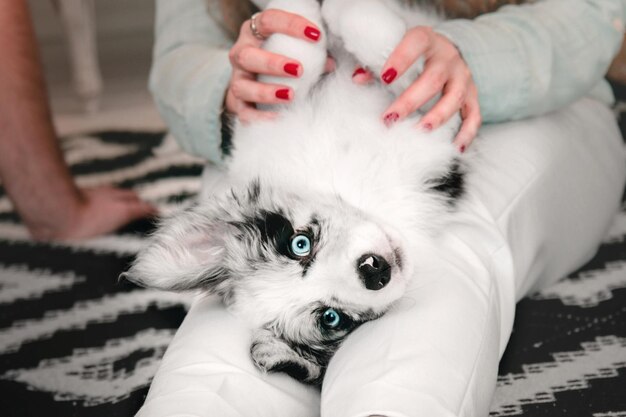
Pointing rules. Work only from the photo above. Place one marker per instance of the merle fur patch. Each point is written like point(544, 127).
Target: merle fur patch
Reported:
point(452, 185)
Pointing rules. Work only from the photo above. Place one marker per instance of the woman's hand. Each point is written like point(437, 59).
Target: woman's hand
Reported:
point(248, 60)
point(444, 72)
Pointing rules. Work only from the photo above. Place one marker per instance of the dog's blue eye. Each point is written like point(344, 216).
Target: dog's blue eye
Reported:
point(301, 245)
point(331, 319)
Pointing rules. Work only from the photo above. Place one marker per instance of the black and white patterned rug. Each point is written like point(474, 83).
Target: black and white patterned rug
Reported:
point(75, 342)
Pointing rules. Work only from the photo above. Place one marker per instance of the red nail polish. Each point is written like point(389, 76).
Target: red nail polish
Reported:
point(291, 68)
point(283, 94)
point(312, 33)
point(427, 127)
point(358, 71)
point(391, 118)
point(462, 149)
point(389, 75)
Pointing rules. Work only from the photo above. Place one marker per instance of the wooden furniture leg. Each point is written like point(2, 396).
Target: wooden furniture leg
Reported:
point(79, 22)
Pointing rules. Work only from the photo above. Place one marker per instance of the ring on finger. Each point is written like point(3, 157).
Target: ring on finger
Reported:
point(254, 29)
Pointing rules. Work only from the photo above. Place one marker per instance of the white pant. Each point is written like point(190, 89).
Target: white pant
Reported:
point(546, 189)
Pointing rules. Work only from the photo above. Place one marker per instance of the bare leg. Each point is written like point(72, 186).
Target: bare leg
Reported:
point(32, 168)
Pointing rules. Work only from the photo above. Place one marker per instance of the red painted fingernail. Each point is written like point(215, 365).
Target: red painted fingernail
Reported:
point(312, 33)
point(291, 69)
point(462, 149)
point(427, 127)
point(358, 71)
point(391, 118)
point(389, 75)
point(283, 94)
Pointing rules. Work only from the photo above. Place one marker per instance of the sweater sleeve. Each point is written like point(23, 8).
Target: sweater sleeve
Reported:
point(190, 74)
point(532, 59)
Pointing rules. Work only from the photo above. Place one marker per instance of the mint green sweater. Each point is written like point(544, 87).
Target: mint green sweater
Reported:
point(526, 61)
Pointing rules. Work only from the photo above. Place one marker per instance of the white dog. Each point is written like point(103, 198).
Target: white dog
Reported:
point(318, 223)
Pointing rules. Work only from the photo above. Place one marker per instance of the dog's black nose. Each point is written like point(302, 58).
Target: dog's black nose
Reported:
point(374, 271)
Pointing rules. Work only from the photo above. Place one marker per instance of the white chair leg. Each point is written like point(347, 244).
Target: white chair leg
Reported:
point(79, 21)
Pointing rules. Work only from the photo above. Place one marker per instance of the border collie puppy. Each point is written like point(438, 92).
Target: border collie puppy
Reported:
point(317, 223)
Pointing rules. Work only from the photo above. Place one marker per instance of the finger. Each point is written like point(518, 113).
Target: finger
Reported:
point(330, 65)
point(427, 86)
point(471, 123)
point(110, 192)
point(136, 210)
point(248, 114)
point(240, 73)
point(362, 76)
point(256, 92)
point(231, 102)
point(414, 44)
point(235, 105)
point(124, 194)
point(279, 21)
point(453, 98)
point(258, 61)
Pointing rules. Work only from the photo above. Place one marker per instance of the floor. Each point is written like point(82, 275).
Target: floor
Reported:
point(125, 35)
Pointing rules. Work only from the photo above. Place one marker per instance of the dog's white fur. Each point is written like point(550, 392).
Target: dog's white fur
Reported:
point(329, 165)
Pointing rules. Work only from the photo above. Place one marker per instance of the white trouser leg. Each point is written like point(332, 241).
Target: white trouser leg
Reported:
point(553, 185)
point(545, 192)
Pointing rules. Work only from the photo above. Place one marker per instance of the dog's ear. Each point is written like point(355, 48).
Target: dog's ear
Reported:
point(271, 353)
point(187, 252)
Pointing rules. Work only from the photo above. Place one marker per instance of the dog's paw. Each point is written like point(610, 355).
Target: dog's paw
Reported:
point(271, 354)
point(369, 29)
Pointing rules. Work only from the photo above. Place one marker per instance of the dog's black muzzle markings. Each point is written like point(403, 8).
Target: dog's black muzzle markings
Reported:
point(374, 271)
